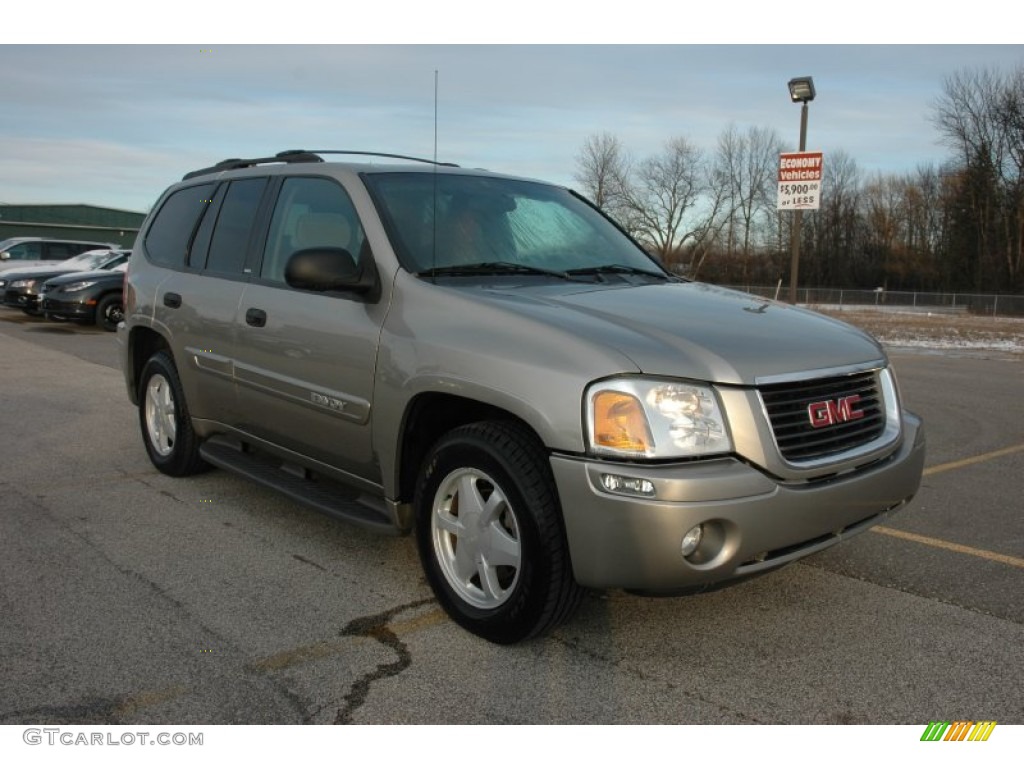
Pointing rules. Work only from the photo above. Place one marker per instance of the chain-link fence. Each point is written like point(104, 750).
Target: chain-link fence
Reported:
point(995, 305)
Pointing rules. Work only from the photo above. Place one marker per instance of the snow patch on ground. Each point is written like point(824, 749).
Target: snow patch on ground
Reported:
point(993, 345)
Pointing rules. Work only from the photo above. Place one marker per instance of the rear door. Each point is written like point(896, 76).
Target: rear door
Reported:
point(198, 301)
point(304, 360)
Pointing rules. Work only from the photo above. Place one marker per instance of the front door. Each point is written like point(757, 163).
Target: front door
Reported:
point(304, 363)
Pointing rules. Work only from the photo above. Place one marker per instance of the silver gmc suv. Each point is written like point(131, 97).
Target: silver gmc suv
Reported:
point(492, 363)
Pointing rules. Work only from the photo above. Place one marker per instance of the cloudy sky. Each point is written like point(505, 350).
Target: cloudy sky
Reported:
point(113, 125)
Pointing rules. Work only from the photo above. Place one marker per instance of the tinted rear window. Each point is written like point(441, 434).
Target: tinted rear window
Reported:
point(63, 251)
point(234, 224)
point(169, 235)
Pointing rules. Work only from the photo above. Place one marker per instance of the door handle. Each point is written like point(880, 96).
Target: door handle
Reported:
point(257, 318)
point(172, 300)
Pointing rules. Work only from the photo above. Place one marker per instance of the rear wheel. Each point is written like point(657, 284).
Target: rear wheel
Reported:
point(490, 533)
point(163, 415)
point(110, 312)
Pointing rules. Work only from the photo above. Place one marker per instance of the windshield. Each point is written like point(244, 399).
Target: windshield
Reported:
point(441, 222)
point(82, 259)
point(113, 260)
point(93, 260)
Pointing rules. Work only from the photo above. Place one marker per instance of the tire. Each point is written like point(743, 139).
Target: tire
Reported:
point(490, 534)
point(167, 431)
point(32, 312)
point(110, 311)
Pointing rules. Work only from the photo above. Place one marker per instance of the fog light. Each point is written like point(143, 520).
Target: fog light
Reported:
point(628, 486)
point(692, 540)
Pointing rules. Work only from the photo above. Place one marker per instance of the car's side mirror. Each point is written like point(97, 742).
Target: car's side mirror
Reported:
point(329, 269)
point(4, 255)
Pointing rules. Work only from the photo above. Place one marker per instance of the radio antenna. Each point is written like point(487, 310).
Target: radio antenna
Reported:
point(435, 117)
point(433, 217)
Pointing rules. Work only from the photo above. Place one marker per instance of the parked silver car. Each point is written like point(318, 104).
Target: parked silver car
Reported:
point(492, 363)
point(18, 252)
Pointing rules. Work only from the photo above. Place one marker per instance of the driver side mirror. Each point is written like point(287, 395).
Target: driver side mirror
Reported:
point(4, 255)
point(329, 269)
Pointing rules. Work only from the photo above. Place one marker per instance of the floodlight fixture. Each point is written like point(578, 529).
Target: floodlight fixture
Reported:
point(801, 89)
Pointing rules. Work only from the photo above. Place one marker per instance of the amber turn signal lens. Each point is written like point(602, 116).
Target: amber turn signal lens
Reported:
point(620, 424)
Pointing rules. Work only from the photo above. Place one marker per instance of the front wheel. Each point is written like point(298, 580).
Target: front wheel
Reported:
point(110, 312)
point(167, 431)
point(490, 534)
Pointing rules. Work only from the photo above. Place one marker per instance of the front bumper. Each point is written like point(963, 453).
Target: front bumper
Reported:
point(69, 310)
point(21, 300)
point(753, 523)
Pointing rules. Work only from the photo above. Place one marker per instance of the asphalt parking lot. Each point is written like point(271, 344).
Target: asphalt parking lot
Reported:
point(131, 597)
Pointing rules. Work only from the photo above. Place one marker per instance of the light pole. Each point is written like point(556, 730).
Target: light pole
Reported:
point(800, 89)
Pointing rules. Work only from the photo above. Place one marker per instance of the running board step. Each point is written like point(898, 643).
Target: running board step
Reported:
point(324, 497)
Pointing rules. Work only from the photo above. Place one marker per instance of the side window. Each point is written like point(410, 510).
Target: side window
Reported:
point(62, 251)
point(26, 252)
point(234, 225)
point(310, 213)
point(168, 236)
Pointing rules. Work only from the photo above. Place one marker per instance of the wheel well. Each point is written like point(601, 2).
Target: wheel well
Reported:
point(143, 343)
point(430, 416)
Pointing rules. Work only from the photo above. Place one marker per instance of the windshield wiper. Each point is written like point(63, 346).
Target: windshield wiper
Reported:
point(616, 269)
point(491, 268)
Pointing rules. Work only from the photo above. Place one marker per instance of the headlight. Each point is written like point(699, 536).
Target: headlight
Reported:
point(81, 285)
point(654, 419)
point(23, 283)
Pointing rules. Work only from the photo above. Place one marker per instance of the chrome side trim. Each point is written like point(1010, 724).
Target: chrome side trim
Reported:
point(327, 401)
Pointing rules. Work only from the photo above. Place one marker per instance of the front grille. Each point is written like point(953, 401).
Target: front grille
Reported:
point(789, 408)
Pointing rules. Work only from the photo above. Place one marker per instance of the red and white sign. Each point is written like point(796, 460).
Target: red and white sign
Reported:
point(799, 180)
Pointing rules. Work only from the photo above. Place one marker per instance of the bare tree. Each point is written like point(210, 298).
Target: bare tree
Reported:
point(661, 191)
point(602, 167)
point(964, 113)
point(706, 234)
point(836, 222)
point(1010, 113)
point(746, 165)
point(979, 116)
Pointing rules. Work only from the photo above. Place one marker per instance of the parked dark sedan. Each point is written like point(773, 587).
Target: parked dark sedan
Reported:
point(22, 292)
point(86, 297)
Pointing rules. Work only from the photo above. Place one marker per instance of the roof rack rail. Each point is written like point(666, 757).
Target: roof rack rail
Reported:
point(379, 154)
point(288, 156)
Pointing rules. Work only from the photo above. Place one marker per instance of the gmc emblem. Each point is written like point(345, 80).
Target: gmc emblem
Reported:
point(829, 412)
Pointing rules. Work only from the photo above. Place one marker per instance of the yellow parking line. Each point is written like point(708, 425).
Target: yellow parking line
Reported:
point(132, 704)
point(973, 460)
point(409, 626)
point(301, 655)
point(985, 554)
point(995, 557)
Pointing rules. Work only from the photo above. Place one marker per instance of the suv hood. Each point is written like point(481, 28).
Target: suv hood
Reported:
point(695, 330)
